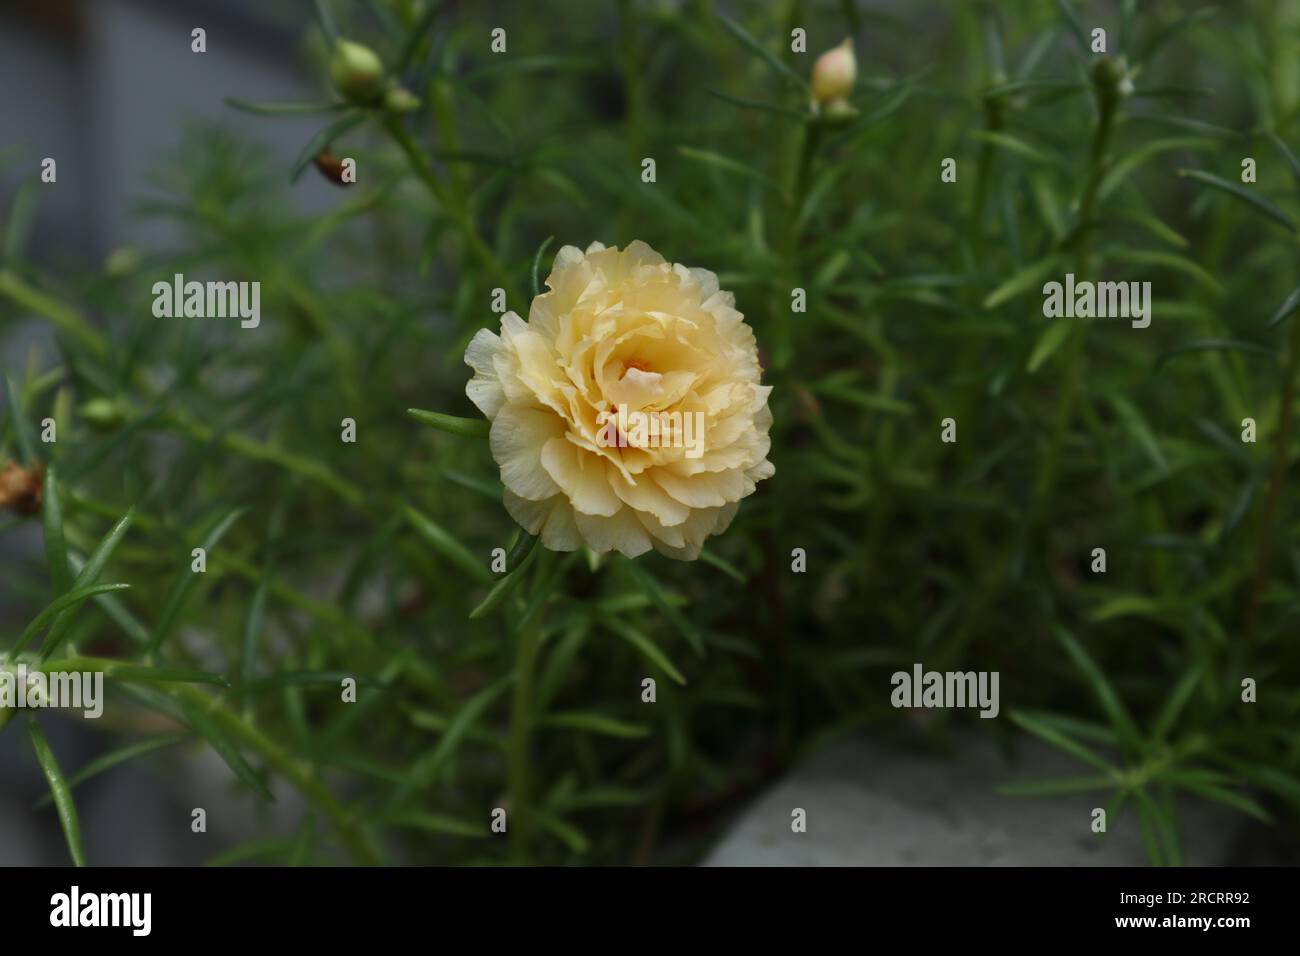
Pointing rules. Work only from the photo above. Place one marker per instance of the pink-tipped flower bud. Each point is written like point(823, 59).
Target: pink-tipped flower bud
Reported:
point(834, 74)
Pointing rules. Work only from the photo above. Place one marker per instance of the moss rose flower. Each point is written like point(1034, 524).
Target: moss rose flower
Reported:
point(624, 337)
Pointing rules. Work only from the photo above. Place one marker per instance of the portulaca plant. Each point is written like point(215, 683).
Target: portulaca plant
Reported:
point(831, 455)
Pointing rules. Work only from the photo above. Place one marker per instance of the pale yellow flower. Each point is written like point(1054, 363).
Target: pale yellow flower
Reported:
point(624, 331)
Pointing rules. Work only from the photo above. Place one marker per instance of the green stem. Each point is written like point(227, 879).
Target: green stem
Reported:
point(1269, 517)
point(307, 468)
point(984, 171)
point(1075, 353)
point(1096, 169)
point(634, 127)
point(65, 319)
point(299, 775)
point(782, 337)
point(459, 215)
point(443, 106)
point(521, 718)
point(633, 81)
point(812, 137)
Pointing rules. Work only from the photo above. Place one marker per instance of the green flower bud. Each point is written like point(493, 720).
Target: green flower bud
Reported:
point(399, 99)
point(121, 262)
point(1112, 77)
point(102, 413)
point(357, 72)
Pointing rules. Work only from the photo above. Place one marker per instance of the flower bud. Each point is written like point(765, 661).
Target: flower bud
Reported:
point(837, 113)
point(1112, 77)
point(357, 72)
point(331, 167)
point(102, 413)
point(123, 261)
point(399, 99)
point(834, 74)
point(20, 488)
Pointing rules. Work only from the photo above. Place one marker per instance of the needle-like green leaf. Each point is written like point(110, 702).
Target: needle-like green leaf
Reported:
point(468, 427)
point(56, 549)
point(185, 580)
point(1265, 207)
point(60, 792)
point(446, 544)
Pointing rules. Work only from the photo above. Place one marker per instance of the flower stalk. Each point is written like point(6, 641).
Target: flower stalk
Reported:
point(460, 217)
point(1281, 464)
point(527, 637)
point(1109, 82)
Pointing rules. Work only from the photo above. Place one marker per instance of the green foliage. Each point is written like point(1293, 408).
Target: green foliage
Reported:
point(522, 690)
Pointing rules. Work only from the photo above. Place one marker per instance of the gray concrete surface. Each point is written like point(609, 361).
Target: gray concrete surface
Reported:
point(870, 804)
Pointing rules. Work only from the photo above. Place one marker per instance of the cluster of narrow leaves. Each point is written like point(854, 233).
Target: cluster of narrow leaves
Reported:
point(524, 690)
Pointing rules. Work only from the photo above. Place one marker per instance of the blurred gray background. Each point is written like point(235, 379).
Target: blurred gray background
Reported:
point(105, 87)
